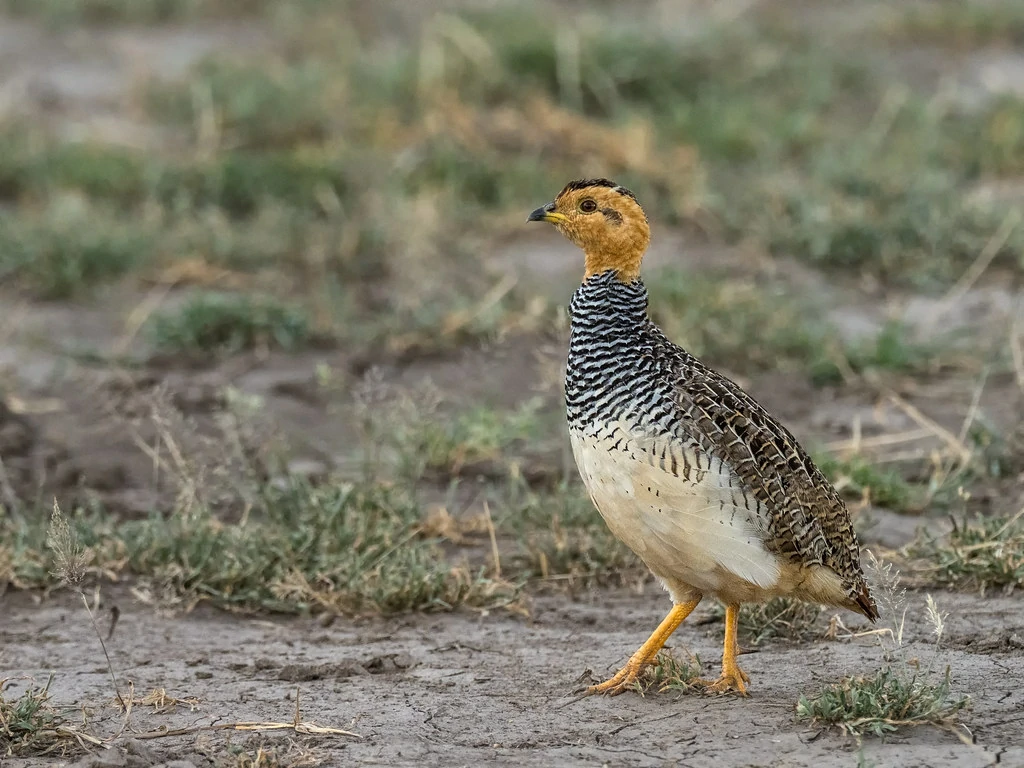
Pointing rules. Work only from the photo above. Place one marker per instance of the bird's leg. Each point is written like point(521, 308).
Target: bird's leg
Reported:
point(623, 679)
point(733, 678)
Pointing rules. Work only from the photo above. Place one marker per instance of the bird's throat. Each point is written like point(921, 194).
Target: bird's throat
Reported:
point(626, 266)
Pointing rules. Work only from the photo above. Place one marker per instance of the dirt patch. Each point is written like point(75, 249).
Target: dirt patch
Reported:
point(473, 689)
point(79, 427)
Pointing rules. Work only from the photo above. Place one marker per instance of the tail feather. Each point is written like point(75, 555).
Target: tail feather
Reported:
point(865, 603)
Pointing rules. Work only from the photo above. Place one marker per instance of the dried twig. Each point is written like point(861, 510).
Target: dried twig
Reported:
point(972, 411)
point(1017, 345)
point(981, 263)
point(7, 490)
point(857, 444)
point(495, 553)
point(302, 728)
point(140, 314)
point(962, 452)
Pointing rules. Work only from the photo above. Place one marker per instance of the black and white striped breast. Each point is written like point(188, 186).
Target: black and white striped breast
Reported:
point(615, 369)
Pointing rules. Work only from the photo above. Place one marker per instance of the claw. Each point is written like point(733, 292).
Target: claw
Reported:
point(625, 679)
point(622, 681)
point(732, 682)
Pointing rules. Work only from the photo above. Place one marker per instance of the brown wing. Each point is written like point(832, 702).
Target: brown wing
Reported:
point(808, 521)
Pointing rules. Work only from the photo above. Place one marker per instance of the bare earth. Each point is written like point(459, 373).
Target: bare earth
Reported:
point(469, 689)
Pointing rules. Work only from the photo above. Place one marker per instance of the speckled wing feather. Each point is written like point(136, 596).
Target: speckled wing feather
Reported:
point(807, 521)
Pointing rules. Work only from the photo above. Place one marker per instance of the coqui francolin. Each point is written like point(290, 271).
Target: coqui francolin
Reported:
point(687, 469)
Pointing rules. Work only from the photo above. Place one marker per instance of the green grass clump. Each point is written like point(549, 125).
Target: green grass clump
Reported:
point(668, 673)
point(891, 350)
point(346, 549)
point(29, 724)
point(959, 24)
point(480, 435)
point(904, 692)
point(228, 323)
point(747, 326)
point(256, 106)
point(983, 554)
point(732, 77)
point(35, 166)
point(67, 12)
point(913, 226)
point(781, 617)
point(857, 478)
point(991, 144)
point(236, 180)
point(560, 535)
point(717, 319)
point(240, 182)
point(70, 247)
point(882, 703)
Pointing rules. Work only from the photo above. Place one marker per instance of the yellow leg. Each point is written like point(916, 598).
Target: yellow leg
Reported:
point(733, 678)
point(623, 679)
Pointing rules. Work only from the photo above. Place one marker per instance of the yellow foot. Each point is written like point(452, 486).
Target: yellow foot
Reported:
point(620, 682)
point(733, 680)
point(626, 677)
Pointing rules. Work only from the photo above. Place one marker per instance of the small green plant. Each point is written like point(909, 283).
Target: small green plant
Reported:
point(668, 673)
point(70, 247)
point(902, 693)
point(987, 553)
point(856, 478)
point(883, 702)
point(561, 536)
point(228, 323)
point(716, 318)
point(339, 548)
point(30, 725)
point(781, 617)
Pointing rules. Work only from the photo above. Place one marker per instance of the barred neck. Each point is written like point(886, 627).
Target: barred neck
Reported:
point(603, 297)
point(611, 373)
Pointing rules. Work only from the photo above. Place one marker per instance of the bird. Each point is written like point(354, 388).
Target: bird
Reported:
point(689, 471)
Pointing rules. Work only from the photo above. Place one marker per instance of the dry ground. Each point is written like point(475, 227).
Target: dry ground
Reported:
point(488, 689)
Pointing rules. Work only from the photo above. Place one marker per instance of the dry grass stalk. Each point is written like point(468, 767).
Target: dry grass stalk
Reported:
point(70, 563)
point(297, 725)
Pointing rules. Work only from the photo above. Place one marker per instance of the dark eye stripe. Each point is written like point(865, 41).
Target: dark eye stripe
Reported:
point(612, 215)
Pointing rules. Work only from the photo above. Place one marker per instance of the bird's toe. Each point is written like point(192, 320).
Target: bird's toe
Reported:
point(730, 682)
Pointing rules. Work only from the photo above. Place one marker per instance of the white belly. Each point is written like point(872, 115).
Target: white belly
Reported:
point(698, 531)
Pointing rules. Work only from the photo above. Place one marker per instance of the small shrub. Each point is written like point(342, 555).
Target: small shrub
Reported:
point(30, 725)
point(781, 617)
point(668, 673)
point(228, 323)
point(903, 692)
point(882, 702)
point(983, 554)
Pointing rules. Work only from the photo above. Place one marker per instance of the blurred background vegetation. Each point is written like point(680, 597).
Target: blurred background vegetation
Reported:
point(326, 188)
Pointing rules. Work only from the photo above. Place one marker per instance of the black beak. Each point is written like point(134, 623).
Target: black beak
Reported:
point(546, 213)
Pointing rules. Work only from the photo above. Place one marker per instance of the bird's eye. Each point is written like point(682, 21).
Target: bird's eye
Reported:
point(588, 206)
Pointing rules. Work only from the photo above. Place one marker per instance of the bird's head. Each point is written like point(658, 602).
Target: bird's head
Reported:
point(603, 219)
